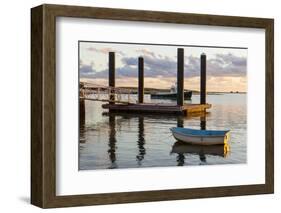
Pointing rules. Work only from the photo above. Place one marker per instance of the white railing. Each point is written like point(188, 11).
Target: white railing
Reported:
point(96, 92)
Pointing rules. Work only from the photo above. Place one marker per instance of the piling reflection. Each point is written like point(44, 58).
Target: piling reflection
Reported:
point(203, 122)
point(180, 158)
point(82, 121)
point(141, 141)
point(180, 121)
point(112, 142)
point(202, 156)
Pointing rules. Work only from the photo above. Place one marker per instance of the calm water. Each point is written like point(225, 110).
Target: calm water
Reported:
point(132, 141)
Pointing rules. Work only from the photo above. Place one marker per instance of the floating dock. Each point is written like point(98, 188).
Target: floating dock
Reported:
point(186, 109)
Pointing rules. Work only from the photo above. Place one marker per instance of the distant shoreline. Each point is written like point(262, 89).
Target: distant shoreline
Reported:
point(195, 92)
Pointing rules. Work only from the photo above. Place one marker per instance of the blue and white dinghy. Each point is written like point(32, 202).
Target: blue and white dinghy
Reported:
point(200, 137)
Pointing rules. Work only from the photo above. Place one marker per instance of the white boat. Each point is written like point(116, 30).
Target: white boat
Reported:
point(200, 137)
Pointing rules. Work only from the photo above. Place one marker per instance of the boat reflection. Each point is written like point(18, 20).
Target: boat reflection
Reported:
point(182, 148)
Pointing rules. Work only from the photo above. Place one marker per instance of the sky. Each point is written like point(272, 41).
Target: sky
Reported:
point(226, 67)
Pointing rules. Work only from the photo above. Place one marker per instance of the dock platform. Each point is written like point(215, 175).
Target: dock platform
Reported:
point(186, 109)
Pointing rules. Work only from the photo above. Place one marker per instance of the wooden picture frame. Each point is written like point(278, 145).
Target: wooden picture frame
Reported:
point(43, 105)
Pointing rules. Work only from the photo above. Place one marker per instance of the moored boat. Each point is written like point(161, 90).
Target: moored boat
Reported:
point(200, 137)
point(172, 94)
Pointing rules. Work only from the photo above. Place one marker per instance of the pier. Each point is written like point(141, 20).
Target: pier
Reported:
point(121, 100)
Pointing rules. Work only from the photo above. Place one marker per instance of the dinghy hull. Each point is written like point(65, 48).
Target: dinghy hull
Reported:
point(200, 139)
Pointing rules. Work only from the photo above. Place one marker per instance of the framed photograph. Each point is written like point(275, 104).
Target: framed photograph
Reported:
point(137, 106)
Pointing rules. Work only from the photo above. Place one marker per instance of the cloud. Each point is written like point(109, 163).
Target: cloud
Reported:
point(191, 66)
point(153, 66)
point(86, 71)
point(146, 52)
point(121, 72)
point(223, 65)
point(130, 61)
point(232, 59)
point(105, 50)
point(227, 65)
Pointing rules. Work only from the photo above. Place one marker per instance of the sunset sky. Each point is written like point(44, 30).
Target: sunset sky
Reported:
point(226, 67)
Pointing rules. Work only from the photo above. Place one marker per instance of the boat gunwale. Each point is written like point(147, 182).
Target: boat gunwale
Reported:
point(183, 134)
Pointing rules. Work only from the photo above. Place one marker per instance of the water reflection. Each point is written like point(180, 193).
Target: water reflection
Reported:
point(180, 157)
point(112, 139)
point(180, 121)
point(182, 148)
point(120, 140)
point(215, 150)
point(112, 142)
point(203, 122)
point(203, 127)
point(179, 148)
point(141, 141)
point(141, 133)
point(82, 121)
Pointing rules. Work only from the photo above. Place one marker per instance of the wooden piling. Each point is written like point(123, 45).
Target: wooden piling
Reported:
point(180, 77)
point(111, 74)
point(203, 79)
point(141, 80)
